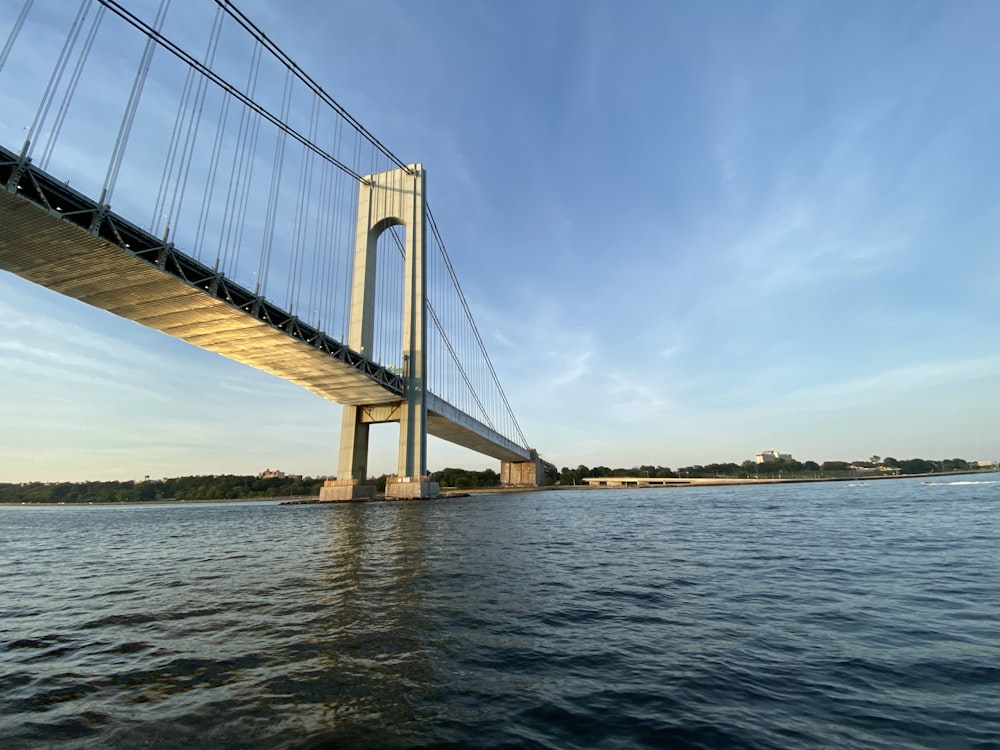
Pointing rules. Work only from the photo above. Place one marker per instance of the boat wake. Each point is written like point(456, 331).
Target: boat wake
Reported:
point(952, 484)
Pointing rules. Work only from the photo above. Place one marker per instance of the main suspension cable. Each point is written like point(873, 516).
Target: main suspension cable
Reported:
point(285, 60)
point(155, 36)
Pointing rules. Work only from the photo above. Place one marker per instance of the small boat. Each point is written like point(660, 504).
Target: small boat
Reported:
point(927, 483)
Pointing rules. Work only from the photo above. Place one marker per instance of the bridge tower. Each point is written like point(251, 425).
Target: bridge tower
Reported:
point(388, 199)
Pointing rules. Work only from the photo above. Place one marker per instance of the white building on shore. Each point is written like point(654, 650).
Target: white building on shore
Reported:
point(767, 456)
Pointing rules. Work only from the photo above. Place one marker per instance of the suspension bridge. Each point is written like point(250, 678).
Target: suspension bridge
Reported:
point(253, 217)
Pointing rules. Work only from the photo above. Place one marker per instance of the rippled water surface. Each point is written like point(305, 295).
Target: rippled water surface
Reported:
point(807, 616)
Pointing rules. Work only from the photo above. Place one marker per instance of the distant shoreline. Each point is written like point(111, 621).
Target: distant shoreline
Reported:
point(675, 482)
point(160, 502)
point(619, 484)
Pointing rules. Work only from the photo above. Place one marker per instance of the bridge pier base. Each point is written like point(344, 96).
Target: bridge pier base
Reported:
point(410, 488)
point(345, 490)
point(521, 473)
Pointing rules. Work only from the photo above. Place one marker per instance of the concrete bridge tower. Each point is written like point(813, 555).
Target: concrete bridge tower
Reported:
point(388, 199)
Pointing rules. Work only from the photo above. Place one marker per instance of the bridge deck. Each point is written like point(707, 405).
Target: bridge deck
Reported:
point(42, 245)
point(63, 257)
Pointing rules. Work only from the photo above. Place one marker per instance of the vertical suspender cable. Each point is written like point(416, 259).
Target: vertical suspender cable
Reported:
point(345, 291)
point(394, 308)
point(226, 229)
point(386, 265)
point(248, 163)
point(300, 228)
point(272, 202)
point(445, 310)
point(332, 293)
point(347, 215)
point(53, 85)
point(329, 218)
point(325, 250)
point(168, 168)
point(346, 285)
point(133, 104)
point(382, 258)
point(12, 36)
point(74, 79)
point(191, 137)
point(321, 250)
point(231, 230)
point(213, 171)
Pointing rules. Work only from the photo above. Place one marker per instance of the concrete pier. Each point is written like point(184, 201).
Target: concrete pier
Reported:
point(344, 491)
point(410, 488)
point(521, 473)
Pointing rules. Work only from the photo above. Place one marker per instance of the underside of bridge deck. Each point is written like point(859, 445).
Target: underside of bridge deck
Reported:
point(55, 253)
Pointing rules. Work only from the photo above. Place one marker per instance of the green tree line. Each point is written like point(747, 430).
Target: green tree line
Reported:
point(463, 479)
point(180, 488)
point(229, 487)
point(782, 468)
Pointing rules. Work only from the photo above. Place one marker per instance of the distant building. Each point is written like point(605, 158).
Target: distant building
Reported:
point(643, 481)
point(767, 456)
point(277, 474)
point(861, 468)
point(986, 464)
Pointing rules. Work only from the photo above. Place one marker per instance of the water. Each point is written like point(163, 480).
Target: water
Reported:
point(758, 617)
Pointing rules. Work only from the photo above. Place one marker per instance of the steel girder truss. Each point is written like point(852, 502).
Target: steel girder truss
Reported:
point(18, 175)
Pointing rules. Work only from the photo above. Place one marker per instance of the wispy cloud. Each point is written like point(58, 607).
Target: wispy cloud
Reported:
point(571, 369)
point(891, 383)
point(636, 396)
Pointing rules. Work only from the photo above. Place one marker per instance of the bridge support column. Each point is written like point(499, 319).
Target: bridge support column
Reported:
point(353, 463)
point(412, 480)
point(385, 200)
point(521, 473)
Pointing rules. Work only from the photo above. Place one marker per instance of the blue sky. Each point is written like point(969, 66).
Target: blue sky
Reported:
point(688, 232)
